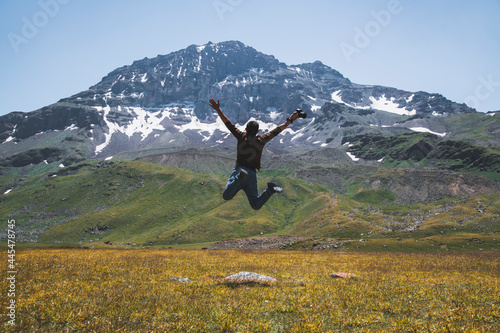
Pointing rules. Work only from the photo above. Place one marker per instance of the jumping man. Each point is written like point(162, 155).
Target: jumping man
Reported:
point(249, 153)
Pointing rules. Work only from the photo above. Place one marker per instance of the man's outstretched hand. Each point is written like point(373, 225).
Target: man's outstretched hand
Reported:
point(294, 116)
point(214, 104)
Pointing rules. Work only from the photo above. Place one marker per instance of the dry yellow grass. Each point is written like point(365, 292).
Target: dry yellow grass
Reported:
point(73, 290)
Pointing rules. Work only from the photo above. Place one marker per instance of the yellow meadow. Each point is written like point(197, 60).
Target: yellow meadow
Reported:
point(77, 290)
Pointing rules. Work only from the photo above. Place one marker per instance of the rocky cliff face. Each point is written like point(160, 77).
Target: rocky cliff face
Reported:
point(59, 116)
point(248, 82)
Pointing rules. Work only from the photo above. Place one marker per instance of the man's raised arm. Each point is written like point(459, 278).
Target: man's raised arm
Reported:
point(216, 106)
point(289, 120)
point(281, 127)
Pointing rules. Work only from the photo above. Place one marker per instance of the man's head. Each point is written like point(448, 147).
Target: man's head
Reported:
point(252, 128)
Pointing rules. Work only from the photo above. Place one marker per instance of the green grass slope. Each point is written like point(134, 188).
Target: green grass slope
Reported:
point(476, 128)
point(410, 150)
point(142, 203)
point(135, 203)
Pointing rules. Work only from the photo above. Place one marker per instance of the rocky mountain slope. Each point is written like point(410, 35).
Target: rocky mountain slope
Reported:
point(163, 102)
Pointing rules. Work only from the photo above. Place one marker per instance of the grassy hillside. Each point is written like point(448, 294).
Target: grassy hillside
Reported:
point(136, 203)
point(142, 203)
point(476, 128)
point(368, 218)
point(327, 166)
point(428, 150)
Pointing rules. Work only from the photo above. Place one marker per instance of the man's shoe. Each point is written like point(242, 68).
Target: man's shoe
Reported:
point(242, 174)
point(274, 188)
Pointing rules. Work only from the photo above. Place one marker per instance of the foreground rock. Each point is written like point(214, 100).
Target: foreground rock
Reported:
point(182, 280)
point(249, 277)
point(342, 275)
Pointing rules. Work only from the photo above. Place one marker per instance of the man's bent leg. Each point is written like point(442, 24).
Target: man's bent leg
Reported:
point(233, 184)
point(261, 199)
point(250, 187)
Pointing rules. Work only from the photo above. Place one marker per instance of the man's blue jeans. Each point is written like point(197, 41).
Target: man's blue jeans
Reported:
point(248, 185)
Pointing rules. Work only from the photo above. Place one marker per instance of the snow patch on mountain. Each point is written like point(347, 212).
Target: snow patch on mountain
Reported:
point(143, 122)
point(381, 103)
point(273, 113)
point(240, 82)
point(71, 127)
point(10, 138)
point(423, 129)
point(197, 68)
point(146, 122)
point(112, 128)
point(354, 158)
point(315, 107)
point(206, 130)
point(387, 104)
point(298, 135)
point(337, 98)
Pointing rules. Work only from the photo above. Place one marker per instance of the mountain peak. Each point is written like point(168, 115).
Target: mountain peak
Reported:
point(231, 44)
point(167, 97)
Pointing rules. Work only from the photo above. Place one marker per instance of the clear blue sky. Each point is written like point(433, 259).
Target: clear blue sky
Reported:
point(51, 49)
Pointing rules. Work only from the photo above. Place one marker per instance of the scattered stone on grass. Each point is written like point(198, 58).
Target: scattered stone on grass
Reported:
point(342, 275)
point(183, 280)
point(249, 277)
